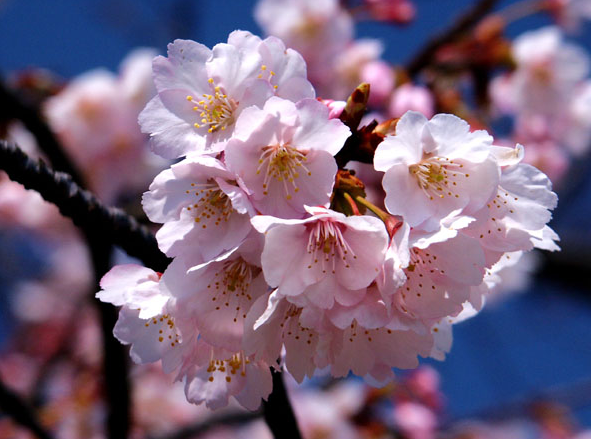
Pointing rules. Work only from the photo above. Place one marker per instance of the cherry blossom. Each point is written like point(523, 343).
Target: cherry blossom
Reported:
point(323, 258)
point(272, 323)
point(284, 154)
point(548, 70)
point(201, 92)
point(149, 319)
point(318, 29)
point(203, 208)
point(219, 293)
point(409, 97)
point(433, 167)
point(398, 11)
point(515, 219)
point(95, 117)
point(214, 374)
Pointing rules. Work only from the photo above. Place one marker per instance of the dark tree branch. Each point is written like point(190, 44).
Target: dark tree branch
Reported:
point(86, 211)
point(278, 412)
point(115, 360)
point(471, 17)
point(20, 412)
point(12, 107)
point(115, 357)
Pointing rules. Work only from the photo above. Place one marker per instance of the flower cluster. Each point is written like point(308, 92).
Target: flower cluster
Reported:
point(549, 95)
point(95, 118)
point(275, 264)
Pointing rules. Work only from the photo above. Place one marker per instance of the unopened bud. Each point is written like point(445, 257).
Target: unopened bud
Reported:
point(356, 106)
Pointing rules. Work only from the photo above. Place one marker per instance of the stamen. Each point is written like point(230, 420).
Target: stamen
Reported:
point(283, 163)
point(215, 110)
point(437, 176)
point(231, 286)
point(327, 245)
point(212, 206)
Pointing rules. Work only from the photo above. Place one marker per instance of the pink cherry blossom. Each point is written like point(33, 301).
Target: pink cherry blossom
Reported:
point(372, 353)
point(214, 374)
point(415, 420)
point(135, 286)
point(548, 68)
point(398, 11)
point(318, 29)
point(409, 97)
point(204, 210)
point(329, 413)
point(201, 92)
point(439, 278)
point(379, 75)
point(149, 319)
point(515, 219)
point(95, 118)
point(219, 293)
point(272, 323)
point(283, 67)
point(283, 154)
point(570, 13)
point(358, 58)
point(323, 258)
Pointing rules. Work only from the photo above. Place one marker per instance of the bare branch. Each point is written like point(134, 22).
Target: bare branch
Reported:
point(85, 210)
point(471, 17)
point(21, 412)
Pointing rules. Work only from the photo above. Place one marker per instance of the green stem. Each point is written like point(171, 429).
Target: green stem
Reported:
point(373, 208)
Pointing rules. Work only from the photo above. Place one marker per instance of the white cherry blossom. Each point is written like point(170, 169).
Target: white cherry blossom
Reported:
point(433, 167)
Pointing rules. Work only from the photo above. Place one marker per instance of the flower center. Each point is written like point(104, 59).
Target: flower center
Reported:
point(212, 206)
point(420, 279)
point(267, 74)
point(291, 327)
point(354, 331)
point(167, 332)
point(284, 164)
point(438, 176)
point(231, 285)
point(216, 110)
point(326, 245)
point(230, 366)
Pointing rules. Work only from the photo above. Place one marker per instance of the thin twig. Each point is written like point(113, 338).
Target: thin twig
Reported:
point(21, 412)
point(425, 56)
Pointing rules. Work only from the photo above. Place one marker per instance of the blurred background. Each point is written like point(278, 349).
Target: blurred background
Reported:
point(527, 355)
